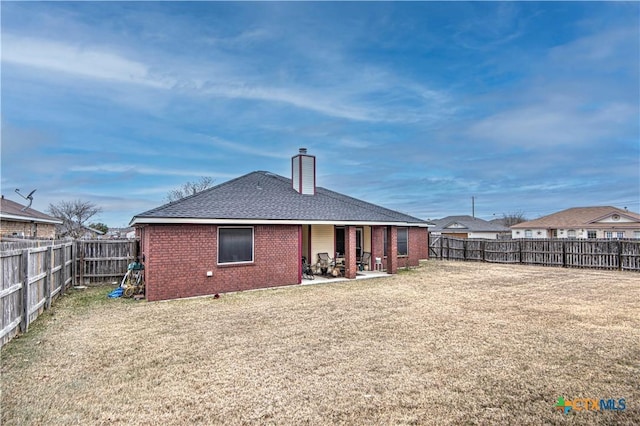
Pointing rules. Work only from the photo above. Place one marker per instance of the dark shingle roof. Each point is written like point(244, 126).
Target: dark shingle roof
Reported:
point(267, 196)
point(468, 223)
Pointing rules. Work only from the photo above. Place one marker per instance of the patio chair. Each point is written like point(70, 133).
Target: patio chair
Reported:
point(364, 260)
point(324, 262)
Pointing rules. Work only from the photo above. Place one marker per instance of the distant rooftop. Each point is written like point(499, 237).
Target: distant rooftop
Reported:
point(576, 217)
point(10, 210)
point(466, 223)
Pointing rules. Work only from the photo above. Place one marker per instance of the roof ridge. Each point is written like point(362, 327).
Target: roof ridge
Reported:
point(239, 198)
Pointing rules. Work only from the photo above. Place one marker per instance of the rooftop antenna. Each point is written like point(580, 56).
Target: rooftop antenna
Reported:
point(28, 197)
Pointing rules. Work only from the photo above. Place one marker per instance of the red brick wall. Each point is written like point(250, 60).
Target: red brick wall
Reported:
point(392, 249)
point(177, 258)
point(350, 269)
point(377, 244)
point(418, 247)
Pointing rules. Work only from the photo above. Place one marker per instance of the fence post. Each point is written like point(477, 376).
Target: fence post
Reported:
point(441, 242)
point(74, 264)
point(48, 264)
point(619, 255)
point(564, 254)
point(63, 272)
point(24, 263)
point(520, 251)
point(136, 249)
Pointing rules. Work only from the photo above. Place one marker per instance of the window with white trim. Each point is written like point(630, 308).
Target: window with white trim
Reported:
point(636, 235)
point(403, 241)
point(235, 245)
point(621, 234)
point(608, 234)
point(571, 233)
point(528, 233)
point(591, 234)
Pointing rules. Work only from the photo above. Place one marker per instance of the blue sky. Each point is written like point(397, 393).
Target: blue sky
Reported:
point(530, 107)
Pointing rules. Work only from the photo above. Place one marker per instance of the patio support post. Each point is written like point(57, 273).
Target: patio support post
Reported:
point(392, 249)
point(377, 245)
point(350, 266)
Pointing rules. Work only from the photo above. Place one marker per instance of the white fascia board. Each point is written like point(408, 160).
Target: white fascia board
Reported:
point(196, 221)
point(29, 219)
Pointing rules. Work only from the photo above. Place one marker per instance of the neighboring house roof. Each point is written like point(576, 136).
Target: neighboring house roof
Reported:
point(584, 217)
point(12, 211)
point(465, 224)
point(94, 230)
point(264, 196)
point(498, 221)
point(118, 232)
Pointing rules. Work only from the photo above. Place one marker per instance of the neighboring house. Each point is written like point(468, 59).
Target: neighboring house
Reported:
point(121, 233)
point(251, 232)
point(468, 227)
point(582, 222)
point(18, 221)
point(91, 233)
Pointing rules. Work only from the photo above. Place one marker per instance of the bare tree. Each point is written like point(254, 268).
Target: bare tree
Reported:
point(190, 188)
point(74, 216)
point(513, 218)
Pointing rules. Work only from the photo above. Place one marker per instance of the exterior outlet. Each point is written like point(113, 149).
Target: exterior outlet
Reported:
point(303, 173)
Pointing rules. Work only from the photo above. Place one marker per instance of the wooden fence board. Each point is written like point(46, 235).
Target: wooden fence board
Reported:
point(34, 274)
point(591, 253)
point(104, 260)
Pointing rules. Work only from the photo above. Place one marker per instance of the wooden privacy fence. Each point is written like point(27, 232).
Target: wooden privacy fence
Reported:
point(104, 260)
point(33, 277)
point(600, 254)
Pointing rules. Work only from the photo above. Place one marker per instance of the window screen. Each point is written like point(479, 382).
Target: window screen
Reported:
point(235, 245)
point(403, 240)
point(340, 249)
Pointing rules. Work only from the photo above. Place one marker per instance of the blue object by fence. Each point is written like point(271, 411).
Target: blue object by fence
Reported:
point(116, 293)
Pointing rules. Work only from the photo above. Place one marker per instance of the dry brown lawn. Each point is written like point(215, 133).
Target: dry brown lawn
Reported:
point(448, 343)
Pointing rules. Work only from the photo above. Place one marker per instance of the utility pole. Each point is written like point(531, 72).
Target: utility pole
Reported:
point(473, 207)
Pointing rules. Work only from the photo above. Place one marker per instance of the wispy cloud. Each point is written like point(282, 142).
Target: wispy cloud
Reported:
point(350, 100)
point(259, 151)
point(75, 59)
point(549, 125)
point(144, 170)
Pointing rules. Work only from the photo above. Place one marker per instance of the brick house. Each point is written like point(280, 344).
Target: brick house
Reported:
point(251, 232)
point(582, 222)
point(18, 221)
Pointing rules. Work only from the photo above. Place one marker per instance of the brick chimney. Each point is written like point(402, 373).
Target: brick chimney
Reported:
point(303, 173)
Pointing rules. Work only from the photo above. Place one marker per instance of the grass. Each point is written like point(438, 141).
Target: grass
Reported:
point(448, 343)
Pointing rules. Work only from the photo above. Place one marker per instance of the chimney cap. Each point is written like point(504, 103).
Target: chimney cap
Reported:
point(303, 150)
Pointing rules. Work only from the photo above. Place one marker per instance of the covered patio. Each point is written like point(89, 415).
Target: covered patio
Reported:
point(361, 275)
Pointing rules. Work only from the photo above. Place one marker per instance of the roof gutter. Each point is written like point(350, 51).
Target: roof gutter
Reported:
point(196, 221)
point(5, 216)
